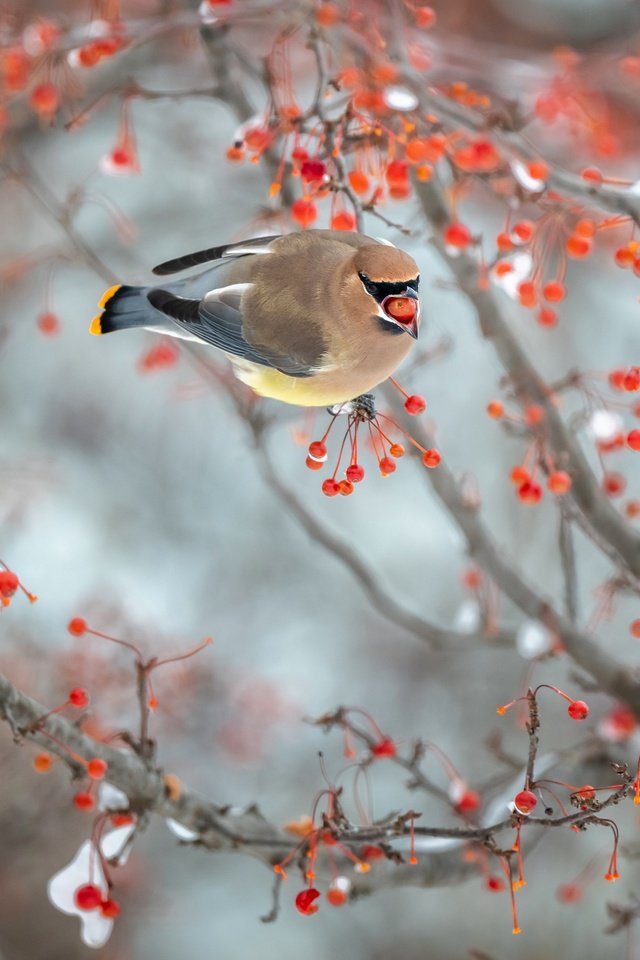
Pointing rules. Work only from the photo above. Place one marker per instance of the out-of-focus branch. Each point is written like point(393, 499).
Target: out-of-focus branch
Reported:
point(568, 561)
point(382, 599)
point(230, 90)
point(531, 388)
point(616, 678)
point(223, 828)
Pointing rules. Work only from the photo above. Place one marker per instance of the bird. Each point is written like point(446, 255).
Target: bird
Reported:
point(315, 318)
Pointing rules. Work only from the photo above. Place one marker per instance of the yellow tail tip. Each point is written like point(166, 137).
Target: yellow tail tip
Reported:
point(106, 296)
point(96, 325)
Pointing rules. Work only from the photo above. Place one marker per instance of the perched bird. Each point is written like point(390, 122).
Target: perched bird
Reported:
point(314, 318)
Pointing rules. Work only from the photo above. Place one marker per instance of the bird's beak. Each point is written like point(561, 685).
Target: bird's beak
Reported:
point(412, 327)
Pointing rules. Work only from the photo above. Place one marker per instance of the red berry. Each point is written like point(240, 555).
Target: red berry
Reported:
point(304, 212)
point(431, 458)
point(415, 404)
point(9, 583)
point(570, 893)
point(110, 908)
point(495, 884)
point(386, 466)
point(77, 627)
point(355, 473)
point(468, 802)
point(457, 235)
point(524, 230)
point(591, 175)
point(45, 99)
point(525, 801)
point(425, 17)
point(397, 173)
point(84, 801)
point(396, 450)
point(530, 492)
point(343, 221)
point(330, 488)
point(87, 897)
point(534, 414)
point(634, 629)
point(578, 710)
point(96, 768)
point(631, 380)
point(48, 323)
point(79, 698)
point(318, 450)
point(633, 439)
point(384, 748)
point(613, 484)
point(547, 317)
point(314, 464)
point(312, 170)
point(305, 901)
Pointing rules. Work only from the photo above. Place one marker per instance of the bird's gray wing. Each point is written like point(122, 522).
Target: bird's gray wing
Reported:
point(244, 248)
point(217, 319)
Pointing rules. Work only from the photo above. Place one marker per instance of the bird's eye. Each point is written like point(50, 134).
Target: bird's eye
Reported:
point(369, 286)
point(401, 309)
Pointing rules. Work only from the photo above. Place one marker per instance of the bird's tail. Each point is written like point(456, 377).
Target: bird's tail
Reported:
point(122, 307)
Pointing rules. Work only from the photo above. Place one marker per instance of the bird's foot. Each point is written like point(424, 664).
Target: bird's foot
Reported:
point(362, 407)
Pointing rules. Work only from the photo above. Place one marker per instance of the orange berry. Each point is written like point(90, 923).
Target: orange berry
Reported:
point(495, 409)
point(527, 295)
point(585, 228)
point(236, 153)
point(578, 246)
point(343, 221)
point(327, 14)
point(359, 181)
point(77, 627)
point(431, 458)
point(559, 482)
point(634, 629)
point(538, 169)
point(42, 762)
point(554, 291)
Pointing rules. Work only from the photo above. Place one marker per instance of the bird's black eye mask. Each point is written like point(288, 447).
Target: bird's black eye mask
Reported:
point(380, 291)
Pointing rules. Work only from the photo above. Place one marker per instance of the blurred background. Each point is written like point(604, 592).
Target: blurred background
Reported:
point(130, 495)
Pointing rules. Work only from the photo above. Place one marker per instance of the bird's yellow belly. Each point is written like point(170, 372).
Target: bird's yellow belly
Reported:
point(301, 391)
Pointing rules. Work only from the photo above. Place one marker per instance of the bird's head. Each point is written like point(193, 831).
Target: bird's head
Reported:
point(390, 278)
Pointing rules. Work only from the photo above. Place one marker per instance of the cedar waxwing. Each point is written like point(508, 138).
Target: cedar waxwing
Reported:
point(314, 318)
